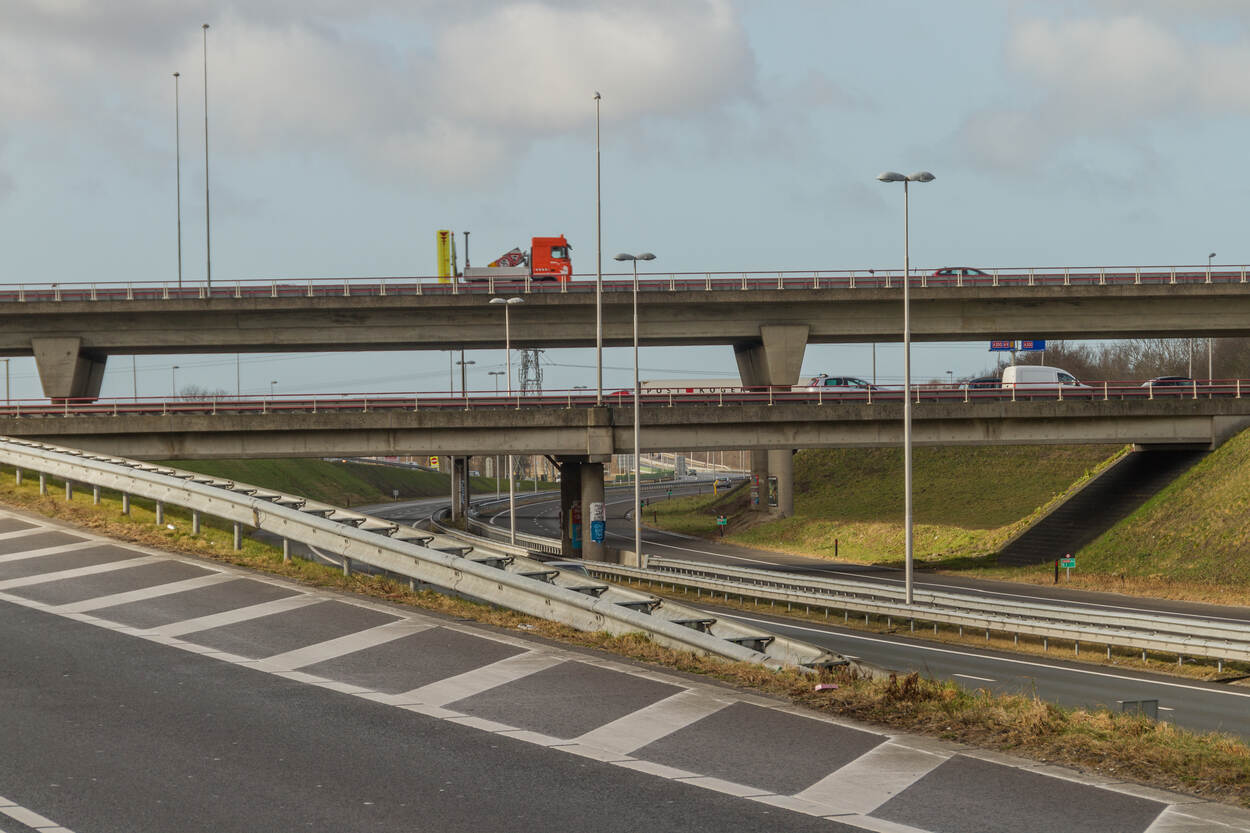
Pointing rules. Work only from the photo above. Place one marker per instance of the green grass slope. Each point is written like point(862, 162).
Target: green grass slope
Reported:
point(967, 500)
point(342, 484)
point(1195, 530)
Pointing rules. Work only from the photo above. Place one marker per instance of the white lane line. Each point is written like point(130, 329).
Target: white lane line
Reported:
point(975, 677)
point(21, 533)
point(1166, 709)
point(348, 644)
point(22, 556)
point(30, 818)
point(230, 617)
point(1027, 663)
point(478, 680)
point(145, 593)
point(82, 571)
point(873, 778)
point(649, 724)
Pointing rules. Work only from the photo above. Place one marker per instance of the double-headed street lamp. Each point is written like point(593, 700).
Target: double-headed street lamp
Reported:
point(507, 304)
point(637, 413)
point(496, 374)
point(921, 176)
point(173, 382)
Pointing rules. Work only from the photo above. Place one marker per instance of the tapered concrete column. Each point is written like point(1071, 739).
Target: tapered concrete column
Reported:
point(238, 537)
point(781, 466)
point(594, 511)
point(774, 361)
point(195, 522)
point(66, 370)
point(160, 513)
point(95, 495)
point(69, 490)
point(125, 504)
point(43, 483)
point(570, 506)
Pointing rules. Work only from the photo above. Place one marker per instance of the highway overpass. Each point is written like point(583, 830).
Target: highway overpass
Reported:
point(767, 318)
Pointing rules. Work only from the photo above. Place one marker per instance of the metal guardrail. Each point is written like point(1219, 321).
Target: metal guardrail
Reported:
point(780, 649)
point(351, 287)
point(1164, 633)
point(382, 544)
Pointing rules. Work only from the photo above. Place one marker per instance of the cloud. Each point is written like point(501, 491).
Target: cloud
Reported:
point(1106, 78)
point(435, 89)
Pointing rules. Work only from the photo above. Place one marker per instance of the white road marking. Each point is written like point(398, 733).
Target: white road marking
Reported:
point(230, 617)
point(30, 818)
point(873, 778)
point(94, 569)
point(478, 680)
point(1028, 663)
point(332, 648)
point(144, 594)
point(649, 724)
point(974, 677)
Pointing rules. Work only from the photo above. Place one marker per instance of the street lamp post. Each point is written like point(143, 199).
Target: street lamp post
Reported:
point(908, 545)
point(208, 237)
point(507, 304)
point(178, 172)
point(637, 414)
point(6, 381)
point(464, 389)
point(173, 381)
point(496, 374)
point(598, 267)
point(1210, 343)
point(272, 385)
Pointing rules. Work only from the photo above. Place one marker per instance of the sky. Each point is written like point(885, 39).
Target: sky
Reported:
point(735, 135)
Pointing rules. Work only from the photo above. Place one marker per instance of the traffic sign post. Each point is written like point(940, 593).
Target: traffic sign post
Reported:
point(1068, 562)
point(721, 522)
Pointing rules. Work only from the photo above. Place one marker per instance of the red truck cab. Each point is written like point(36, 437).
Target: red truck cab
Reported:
point(549, 259)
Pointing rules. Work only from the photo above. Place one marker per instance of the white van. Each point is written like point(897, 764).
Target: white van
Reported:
point(1026, 376)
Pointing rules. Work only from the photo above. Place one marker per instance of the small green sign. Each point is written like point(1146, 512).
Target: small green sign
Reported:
point(722, 520)
point(1068, 561)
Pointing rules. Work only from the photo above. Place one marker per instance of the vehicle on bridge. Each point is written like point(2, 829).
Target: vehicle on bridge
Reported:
point(824, 383)
point(1029, 377)
point(957, 272)
point(1168, 382)
point(547, 260)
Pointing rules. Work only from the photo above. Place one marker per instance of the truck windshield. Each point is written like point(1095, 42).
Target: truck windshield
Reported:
point(559, 252)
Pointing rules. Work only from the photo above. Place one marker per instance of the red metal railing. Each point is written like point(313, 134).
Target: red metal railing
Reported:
point(952, 394)
point(667, 282)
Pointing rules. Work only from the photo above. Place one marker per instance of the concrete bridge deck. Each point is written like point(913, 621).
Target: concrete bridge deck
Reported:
point(295, 427)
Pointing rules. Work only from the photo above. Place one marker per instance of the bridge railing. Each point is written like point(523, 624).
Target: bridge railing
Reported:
point(948, 394)
point(848, 279)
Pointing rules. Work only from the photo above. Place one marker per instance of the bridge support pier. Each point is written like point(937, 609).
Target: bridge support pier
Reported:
point(774, 361)
point(66, 370)
point(593, 509)
point(781, 466)
point(571, 505)
point(459, 487)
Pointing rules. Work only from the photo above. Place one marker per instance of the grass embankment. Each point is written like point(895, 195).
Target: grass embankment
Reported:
point(1193, 532)
point(967, 501)
point(1123, 746)
point(330, 481)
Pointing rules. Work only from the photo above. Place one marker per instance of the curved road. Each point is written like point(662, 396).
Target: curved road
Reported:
point(1202, 706)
